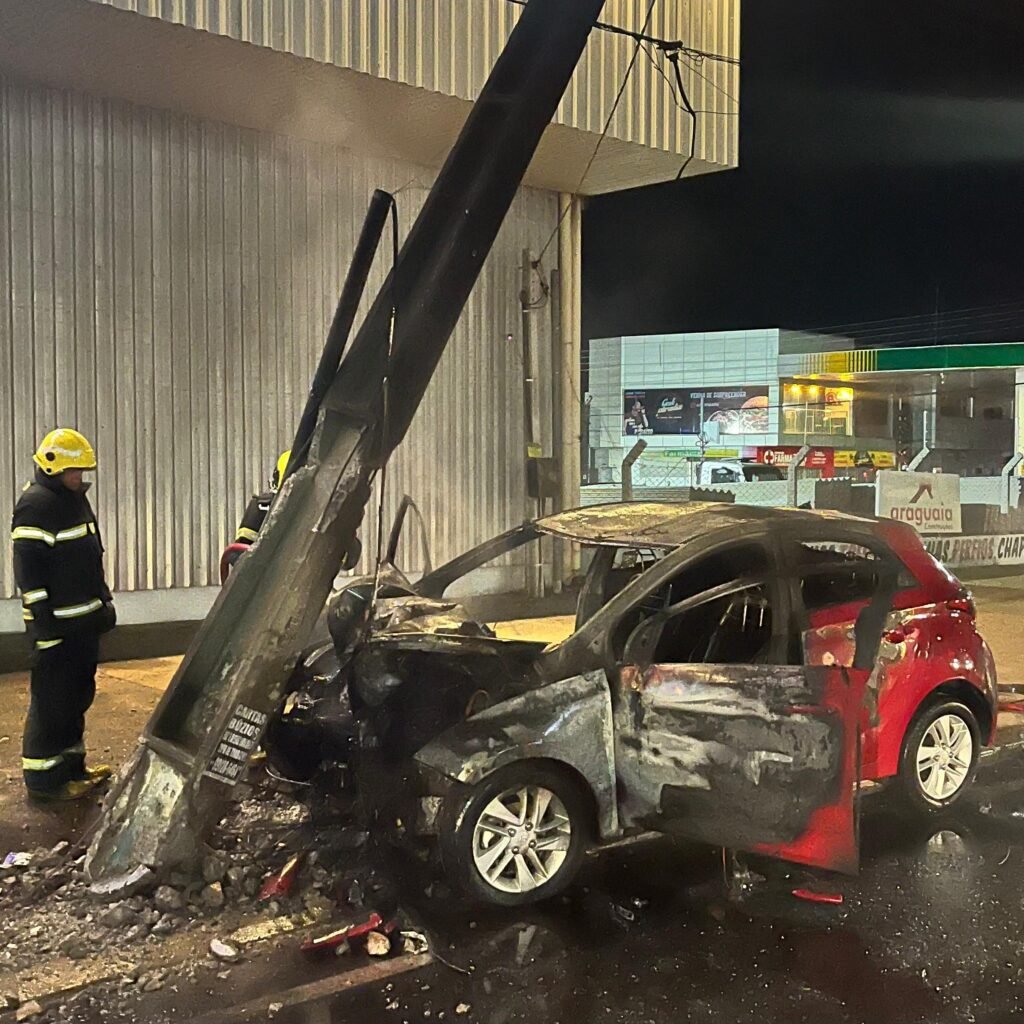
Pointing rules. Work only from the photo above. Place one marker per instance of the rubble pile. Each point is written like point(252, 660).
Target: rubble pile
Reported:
point(270, 858)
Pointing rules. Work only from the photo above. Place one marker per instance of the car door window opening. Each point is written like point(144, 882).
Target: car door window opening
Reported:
point(717, 609)
point(729, 625)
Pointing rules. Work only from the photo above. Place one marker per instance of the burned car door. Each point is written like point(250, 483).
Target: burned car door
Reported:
point(722, 734)
point(844, 588)
point(837, 582)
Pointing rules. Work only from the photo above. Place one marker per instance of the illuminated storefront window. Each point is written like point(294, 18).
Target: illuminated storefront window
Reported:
point(813, 409)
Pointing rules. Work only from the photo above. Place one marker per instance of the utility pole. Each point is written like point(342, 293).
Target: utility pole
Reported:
point(220, 700)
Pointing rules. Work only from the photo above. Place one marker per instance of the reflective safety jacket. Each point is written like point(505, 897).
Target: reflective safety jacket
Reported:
point(58, 563)
point(255, 513)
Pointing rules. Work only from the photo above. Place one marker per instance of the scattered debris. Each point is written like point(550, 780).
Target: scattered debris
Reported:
point(50, 908)
point(449, 964)
point(274, 1009)
point(1006, 858)
point(122, 886)
point(29, 1009)
point(212, 896)
point(318, 906)
point(167, 899)
point(165, 925)
point(282, 883)
point(356, 897)
point(377, 944)
point(119, 916)
point(628, 913)
point(260, 930)
point(818, 897)
point(414, 943)
point(223, 950)
point(333, 938)
point(740, 880)
point(215, 866)
point(462, 1009)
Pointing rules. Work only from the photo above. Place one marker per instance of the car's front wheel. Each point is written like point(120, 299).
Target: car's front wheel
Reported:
point(939, 756)
point(519, 836)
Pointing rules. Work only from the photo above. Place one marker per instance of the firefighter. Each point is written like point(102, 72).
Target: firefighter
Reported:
point(66, 605)
point(259, 505)
point(254, 517)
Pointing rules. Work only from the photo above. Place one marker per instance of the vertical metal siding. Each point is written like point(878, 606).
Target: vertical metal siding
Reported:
point(170, 283)
point(449, 46)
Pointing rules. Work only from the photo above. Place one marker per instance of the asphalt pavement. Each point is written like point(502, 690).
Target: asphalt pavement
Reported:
point(930, 931)
point(664, 931)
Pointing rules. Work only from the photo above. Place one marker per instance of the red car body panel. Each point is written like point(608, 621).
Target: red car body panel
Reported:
point(830, 840)
point(931, 641)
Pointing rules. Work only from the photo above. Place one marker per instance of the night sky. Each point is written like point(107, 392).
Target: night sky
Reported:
point(881, 172)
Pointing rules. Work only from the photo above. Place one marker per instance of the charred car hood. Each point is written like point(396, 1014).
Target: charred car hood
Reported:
point(424, 616)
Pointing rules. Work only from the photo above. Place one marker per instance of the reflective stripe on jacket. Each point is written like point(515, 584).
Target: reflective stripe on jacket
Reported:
point(58, 561)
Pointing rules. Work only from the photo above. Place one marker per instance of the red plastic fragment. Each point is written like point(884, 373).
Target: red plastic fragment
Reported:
point(818, 897)
point(281, 883)
point(339, 935)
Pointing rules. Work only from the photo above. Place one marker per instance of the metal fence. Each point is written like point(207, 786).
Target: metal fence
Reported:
point(775, 493)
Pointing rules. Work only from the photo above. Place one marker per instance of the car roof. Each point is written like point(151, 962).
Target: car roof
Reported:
point(662, 524)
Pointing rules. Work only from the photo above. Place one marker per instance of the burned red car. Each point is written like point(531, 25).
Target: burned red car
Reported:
point(729, 675)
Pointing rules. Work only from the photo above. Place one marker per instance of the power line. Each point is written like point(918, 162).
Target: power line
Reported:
point(683, 105)
point(888, 321)
point(661, 71)
point(604, 130)
point(714, 85)
point(663, 44)
point(673, 57)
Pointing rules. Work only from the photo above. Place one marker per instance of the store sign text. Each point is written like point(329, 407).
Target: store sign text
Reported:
point(928, 501)
point(997, 549)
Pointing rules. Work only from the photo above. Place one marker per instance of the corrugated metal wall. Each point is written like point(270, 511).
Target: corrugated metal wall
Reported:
point(170, 286)
point(449, 46)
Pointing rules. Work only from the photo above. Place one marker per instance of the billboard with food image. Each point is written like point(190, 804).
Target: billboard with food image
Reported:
point(739, 410)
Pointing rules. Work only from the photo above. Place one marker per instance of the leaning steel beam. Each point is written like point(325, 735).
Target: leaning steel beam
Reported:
point(214, 713)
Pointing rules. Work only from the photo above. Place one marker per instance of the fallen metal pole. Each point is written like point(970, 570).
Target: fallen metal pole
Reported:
point(212, 717)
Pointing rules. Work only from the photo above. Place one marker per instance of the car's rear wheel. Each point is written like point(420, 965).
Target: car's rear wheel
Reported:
point(519, 836)
point(940, 754)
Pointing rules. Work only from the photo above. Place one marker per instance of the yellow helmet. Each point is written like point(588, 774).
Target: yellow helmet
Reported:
point(282, 464)
point(64, 449)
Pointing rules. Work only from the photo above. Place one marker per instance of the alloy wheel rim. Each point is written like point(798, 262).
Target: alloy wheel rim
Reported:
point(944, 757)
point(521, 839)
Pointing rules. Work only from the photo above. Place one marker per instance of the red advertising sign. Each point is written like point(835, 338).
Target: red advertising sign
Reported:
point(783, 455)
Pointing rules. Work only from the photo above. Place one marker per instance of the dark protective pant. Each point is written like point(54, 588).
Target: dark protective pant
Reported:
point(62, 690)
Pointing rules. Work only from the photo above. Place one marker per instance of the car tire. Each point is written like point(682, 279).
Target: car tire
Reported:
point(481, 824)
point(939, 756)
